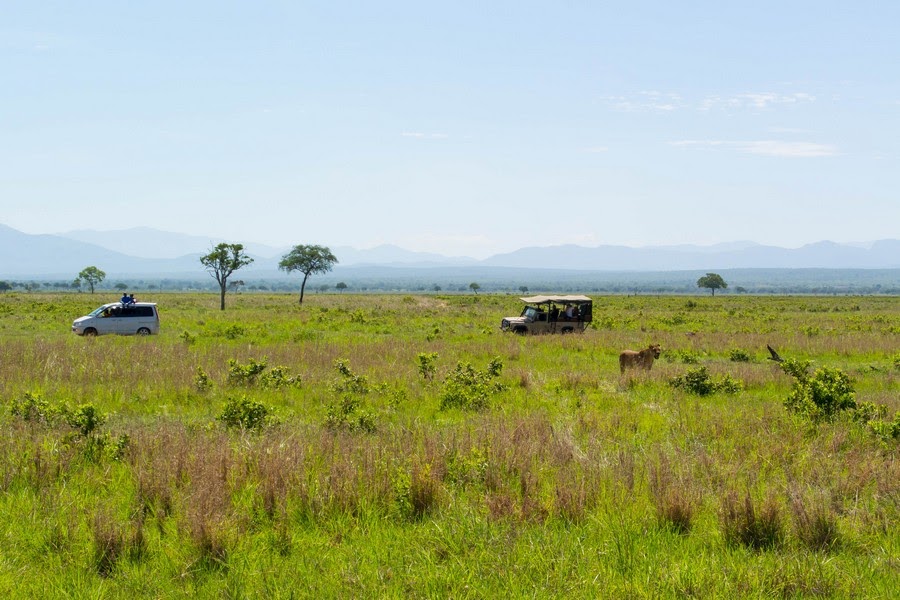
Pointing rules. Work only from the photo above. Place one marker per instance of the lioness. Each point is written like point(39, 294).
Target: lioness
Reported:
point(643, 359)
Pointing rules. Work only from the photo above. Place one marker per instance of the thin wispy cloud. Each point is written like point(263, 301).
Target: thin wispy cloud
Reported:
point(776, 148)
point(755, 100)
point(656, 101)
point(647, 101)
point(424, 136)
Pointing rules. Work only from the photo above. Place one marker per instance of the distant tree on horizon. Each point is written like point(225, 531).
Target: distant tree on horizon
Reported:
point(523, 289)
point(307, 259)
point(91, 276)
point(221, 262)
point(474, 287)
point(713, 281)
point(341, 286)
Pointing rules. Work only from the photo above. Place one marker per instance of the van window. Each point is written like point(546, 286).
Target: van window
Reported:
point(138, 311)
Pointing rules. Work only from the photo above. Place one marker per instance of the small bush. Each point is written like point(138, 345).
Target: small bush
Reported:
point(245, 375)
point(277, 378)
point(33, 408)
point(820, 396)
point(729, 385)
point(470, 389)
point(738, 355)
point(86, 419)
point(699, 382)
point(246, 414)
point(427, 366)
point(349, 382)
point(202, 381)
point(695, 381)
point(347, 414)
point(886, 430)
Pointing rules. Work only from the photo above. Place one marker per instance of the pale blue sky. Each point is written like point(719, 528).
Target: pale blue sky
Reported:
point(465, 128)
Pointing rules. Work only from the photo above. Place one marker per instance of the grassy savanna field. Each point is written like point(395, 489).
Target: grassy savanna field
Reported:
point(402, 446)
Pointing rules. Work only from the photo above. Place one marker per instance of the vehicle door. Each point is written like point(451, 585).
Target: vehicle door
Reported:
point(130, 320)
point(110, 321)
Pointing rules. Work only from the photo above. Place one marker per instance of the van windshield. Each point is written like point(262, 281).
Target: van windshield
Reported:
point(96, 311)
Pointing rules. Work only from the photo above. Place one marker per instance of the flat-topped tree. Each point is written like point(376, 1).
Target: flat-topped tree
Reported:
point(91, 276)
point(307, 259)
point(222, 261)
point(713, 281)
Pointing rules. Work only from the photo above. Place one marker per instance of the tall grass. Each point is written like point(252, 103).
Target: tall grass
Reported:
point(573, 480)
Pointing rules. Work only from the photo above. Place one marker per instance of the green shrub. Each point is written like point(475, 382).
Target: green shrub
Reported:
point(820, 396)
point(427, 366)
point(277, 378)
point(246, 414)
point(31, 407)
point(245, 375)
point(695, 381)
point(729, 385)
point(86, 419)
point(349, 382)
point(202, 381)
point(470, 389)
point(347, 414)
point(886, 430)
point(738, 355)
point(699, 382)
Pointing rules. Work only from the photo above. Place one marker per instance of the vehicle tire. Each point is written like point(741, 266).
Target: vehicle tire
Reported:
point(143, 331)
point(520, 331)
point(90, 332)
point(566, 330)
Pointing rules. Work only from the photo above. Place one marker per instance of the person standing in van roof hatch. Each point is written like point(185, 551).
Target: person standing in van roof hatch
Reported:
point(125, 299)
point(131, 299)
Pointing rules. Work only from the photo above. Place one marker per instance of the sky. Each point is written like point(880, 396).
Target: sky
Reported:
point(463, 128)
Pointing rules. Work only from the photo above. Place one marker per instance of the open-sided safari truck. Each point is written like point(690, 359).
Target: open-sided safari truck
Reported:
point(551, 314)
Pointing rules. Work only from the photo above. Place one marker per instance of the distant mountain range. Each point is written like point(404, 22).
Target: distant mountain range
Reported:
point(149, 252)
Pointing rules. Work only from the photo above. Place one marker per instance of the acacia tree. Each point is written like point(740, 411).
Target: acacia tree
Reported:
point(713, 281)
point(474, 287)
point(341, 286)
point(91, 276)
point(221, 262)
point(307, 259)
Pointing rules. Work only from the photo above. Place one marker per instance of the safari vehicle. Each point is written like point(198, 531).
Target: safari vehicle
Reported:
point(551, 314)
point(140, 318)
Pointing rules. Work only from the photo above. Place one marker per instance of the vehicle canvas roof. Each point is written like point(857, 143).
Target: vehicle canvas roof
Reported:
point(557, 299)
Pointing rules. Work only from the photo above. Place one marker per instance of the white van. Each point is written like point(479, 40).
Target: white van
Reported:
point(140, 318)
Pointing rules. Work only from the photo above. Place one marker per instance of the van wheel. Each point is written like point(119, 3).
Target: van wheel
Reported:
point(143, 331)
point(90, 332)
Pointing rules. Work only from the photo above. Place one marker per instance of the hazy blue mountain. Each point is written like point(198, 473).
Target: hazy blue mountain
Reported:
point(883, 254)
point(144, 252)
point(388, 254)
point(145, 242)
point(51, 256)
